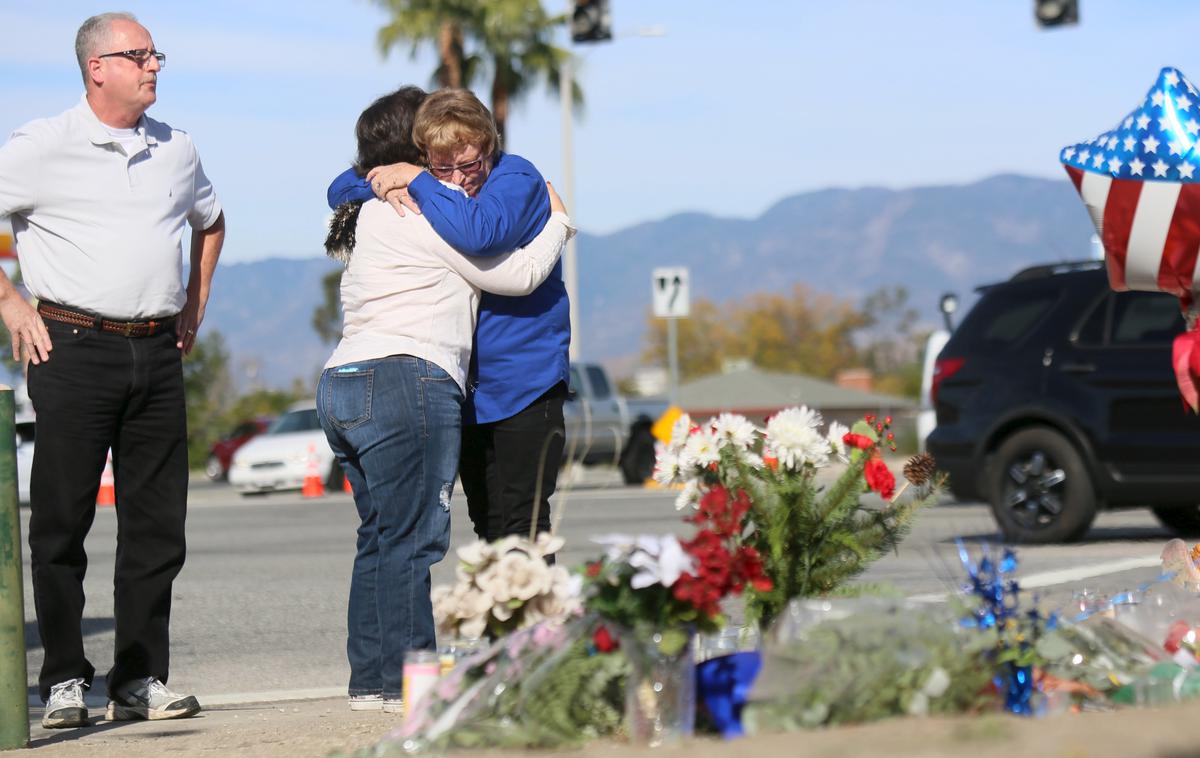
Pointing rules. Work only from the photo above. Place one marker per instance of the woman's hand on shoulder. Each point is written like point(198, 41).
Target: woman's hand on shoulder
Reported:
point(396, 176)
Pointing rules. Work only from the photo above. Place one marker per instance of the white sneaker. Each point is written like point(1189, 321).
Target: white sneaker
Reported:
point(393, 705)
point(366, 702)
point(65, 708)
point(149, 699)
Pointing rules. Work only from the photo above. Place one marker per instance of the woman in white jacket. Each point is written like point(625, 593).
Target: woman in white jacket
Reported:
point(391, 394)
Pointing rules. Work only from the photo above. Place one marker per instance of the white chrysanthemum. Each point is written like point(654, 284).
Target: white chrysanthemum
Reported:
point(699, 452)
point(837, 431)
point(793, 438)
point(733, 429)
point(688, 496)
point(679, 433)
point(666, 467)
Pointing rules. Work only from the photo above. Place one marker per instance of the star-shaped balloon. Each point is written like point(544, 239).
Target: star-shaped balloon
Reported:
point(1140, 182)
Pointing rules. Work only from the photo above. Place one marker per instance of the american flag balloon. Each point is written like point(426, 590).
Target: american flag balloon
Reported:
point(1140, 182)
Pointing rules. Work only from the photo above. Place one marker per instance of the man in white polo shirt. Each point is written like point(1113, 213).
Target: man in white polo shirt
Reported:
point(98, 197)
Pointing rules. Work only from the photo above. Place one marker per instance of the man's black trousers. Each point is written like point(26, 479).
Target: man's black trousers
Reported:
point(99, 391)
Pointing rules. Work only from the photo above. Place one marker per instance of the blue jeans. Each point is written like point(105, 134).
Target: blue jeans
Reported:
point(394, 424)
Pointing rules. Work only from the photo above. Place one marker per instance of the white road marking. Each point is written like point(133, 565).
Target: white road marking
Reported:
point(271, 696)
point(1060, 576)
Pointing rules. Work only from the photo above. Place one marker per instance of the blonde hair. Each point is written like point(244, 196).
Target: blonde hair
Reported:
point(451, 119)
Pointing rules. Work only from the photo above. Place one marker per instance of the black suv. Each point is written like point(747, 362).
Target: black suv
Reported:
point(1056, 398)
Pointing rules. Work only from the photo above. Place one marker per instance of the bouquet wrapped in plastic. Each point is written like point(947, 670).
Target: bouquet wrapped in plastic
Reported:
point(1138, 648)
point(855, 660)
point(547, 686)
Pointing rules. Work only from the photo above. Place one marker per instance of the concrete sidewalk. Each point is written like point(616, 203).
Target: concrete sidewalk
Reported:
point(316, 728)
point(268, 730)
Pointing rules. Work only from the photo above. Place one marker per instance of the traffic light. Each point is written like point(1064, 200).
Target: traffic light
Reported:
point(591, 21)
point(1056, 12)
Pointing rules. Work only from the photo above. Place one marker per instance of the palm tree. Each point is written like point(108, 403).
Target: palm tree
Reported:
point(438, 21)
point(511, 38)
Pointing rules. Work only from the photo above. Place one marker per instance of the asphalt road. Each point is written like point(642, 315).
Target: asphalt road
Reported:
point(259, 610)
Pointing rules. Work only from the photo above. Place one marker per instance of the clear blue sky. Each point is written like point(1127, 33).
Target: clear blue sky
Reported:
point(739, 105)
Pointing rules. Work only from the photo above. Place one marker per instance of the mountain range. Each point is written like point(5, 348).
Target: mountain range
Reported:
point(842, 242)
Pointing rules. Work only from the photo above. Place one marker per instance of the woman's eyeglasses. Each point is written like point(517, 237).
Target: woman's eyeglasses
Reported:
point(468, 168)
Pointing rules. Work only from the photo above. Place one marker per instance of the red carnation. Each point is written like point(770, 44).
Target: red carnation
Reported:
point(603, 640)
point(593, 569)
point(862, 442)
point(879, 478)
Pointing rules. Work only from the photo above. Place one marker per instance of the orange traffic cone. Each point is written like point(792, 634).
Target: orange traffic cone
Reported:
point(313, 486)
point(107, 494)
point(346, 485)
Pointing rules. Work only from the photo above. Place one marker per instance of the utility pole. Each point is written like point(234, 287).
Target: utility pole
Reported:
point(14, 700)
point(570, 262)
point(588, 21)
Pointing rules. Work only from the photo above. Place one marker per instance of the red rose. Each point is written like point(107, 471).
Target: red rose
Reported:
point(603, 640)
point(860, 441)
point(879, 478)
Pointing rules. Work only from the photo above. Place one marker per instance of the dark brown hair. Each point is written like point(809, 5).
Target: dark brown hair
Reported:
point(385, 129)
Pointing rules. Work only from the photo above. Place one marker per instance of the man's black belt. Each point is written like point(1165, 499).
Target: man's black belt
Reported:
point(68, 315)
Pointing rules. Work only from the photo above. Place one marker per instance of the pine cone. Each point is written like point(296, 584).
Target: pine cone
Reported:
point(920, 469)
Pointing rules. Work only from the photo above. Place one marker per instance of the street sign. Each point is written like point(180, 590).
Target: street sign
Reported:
point(669, 292)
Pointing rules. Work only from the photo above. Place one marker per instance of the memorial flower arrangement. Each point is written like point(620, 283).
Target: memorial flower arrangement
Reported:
point(664, 584)
point(810, 537)
point(543, 686)
point(504, 586)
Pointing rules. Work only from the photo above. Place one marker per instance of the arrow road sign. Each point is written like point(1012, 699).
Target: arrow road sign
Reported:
point(669, 292)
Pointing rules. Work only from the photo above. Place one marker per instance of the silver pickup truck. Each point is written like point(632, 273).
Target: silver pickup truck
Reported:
point(603, 427)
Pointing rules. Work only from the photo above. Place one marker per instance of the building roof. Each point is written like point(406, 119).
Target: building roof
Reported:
point(753, 387)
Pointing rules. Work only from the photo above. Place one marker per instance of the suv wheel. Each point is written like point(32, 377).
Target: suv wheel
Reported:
point(1040, 489)
point(638, 457)
point(1182, 519)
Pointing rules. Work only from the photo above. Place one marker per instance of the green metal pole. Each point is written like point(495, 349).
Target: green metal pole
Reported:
point(14, 702)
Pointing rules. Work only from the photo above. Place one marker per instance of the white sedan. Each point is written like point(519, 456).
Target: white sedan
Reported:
point(284, 455)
